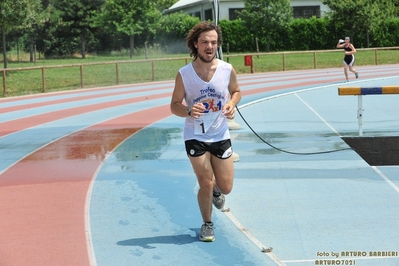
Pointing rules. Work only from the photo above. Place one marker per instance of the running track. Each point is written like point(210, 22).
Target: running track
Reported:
point(99, 177)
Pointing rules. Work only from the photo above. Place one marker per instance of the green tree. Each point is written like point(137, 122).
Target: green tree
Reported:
point(45, 33)
point(173, 29)
point(309, 34)
point(130, 17)
point(388, 33)
point(358, 16)
point(236, 37)
point(14, 14)
point(161, 5)
point(38, 16)
point(77, 16)
point(261, 17)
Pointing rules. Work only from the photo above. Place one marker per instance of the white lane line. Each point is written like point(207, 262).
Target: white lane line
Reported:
point(89, 240)
point(385, 178)
point(317, 114)
point(251, 237)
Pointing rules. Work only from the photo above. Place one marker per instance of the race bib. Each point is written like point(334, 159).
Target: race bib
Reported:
point(204, 123)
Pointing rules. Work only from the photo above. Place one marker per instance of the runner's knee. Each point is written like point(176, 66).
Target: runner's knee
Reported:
point(225, 187)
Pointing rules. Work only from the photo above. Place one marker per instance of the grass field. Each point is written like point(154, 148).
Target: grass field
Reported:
point(65, 74)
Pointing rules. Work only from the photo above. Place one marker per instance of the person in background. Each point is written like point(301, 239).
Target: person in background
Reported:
point(349, 59)
point(206, 93)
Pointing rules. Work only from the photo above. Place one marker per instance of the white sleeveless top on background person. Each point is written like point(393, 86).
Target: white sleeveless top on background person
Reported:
point(212, 126)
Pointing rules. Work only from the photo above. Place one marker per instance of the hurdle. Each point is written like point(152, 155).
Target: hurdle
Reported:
point(362, 91)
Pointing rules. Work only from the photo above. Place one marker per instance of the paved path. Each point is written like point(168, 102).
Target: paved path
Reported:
point(100, 177)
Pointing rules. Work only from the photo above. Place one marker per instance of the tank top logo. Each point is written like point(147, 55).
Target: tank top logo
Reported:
point(211, 100)
point(211, 106)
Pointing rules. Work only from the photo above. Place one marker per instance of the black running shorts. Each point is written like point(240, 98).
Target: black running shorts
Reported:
point(221, 149)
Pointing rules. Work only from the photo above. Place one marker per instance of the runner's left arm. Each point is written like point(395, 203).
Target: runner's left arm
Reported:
point(235, 96)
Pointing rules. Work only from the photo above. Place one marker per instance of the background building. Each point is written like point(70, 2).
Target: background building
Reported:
point(203, 9)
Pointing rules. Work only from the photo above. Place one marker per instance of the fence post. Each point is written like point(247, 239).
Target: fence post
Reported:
point(284, 62)
point(153, 69)
point(4, 82)
point(43, 79)
point(81, 76)
point(228, 52)
point(376, 56)
point(117, 73)
point(315, 60)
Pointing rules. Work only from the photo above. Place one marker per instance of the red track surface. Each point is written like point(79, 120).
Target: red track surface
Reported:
point(44, 220)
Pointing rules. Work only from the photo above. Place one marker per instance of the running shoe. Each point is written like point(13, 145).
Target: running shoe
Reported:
point(347, 80)
point(218, 198)
point(357, 74)
point(207, 234)
point(218, 202)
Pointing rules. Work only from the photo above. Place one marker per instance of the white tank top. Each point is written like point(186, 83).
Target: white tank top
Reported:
point(212, 126)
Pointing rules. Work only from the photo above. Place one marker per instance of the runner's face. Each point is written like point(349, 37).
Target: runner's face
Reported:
point(207, 45)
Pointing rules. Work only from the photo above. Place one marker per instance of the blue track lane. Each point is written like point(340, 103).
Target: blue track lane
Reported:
point(143, 206)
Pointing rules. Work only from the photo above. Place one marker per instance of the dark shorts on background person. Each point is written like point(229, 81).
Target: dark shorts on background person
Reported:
point(221, 149)
point(349, 60)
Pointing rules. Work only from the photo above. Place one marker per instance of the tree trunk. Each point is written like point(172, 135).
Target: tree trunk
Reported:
point(131, 41)
point(31, 52)
point(368, 39)
point(83, 40)
point(3, 30)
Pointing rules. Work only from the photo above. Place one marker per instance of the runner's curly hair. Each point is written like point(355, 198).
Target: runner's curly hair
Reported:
point(193, 35)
